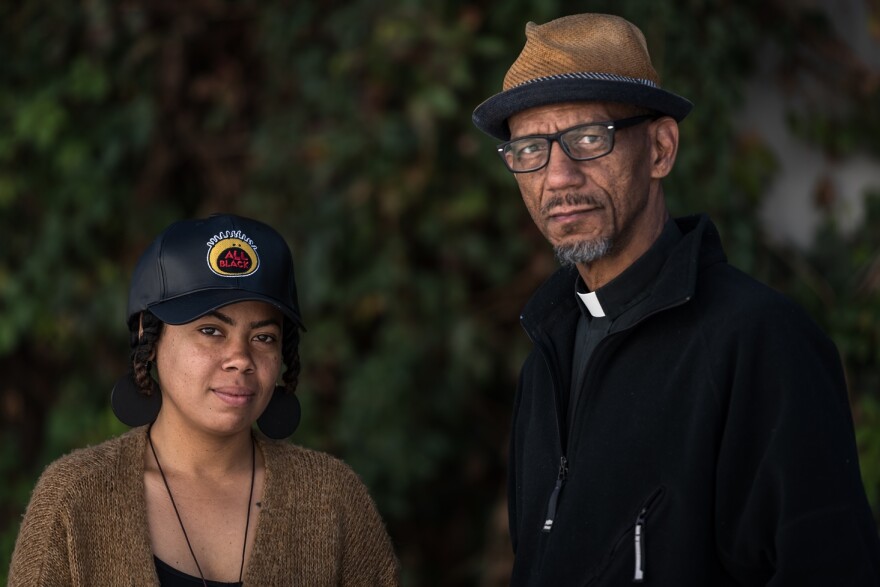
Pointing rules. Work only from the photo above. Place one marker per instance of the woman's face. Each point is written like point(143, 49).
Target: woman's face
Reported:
point(217, 373)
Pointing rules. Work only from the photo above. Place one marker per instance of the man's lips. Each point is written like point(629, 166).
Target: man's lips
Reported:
point(565, 215)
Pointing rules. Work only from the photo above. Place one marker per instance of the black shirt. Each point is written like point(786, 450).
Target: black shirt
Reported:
point(622, 294)
point(171, 577)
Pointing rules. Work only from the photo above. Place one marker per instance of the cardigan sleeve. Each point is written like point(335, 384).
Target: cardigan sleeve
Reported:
point(368, 555)
point(790, 508)
point(41, 555)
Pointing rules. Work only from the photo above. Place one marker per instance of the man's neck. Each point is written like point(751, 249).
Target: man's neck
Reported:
point(602, 271)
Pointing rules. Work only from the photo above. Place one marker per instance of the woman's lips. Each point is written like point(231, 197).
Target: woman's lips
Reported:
point(234, 397)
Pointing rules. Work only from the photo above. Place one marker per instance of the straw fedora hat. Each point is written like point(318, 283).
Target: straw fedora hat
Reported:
point(583, 57)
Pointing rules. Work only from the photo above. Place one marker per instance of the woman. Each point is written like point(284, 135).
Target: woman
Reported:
point(193, 495)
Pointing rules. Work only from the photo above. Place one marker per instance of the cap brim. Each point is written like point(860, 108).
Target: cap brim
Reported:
point(491, 116)
point(187, 308)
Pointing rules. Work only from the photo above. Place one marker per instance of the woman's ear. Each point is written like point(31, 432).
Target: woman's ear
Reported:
point(664, 146)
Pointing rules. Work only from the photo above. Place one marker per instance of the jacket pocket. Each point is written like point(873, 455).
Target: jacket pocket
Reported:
point(635, 534)
point(639, 533)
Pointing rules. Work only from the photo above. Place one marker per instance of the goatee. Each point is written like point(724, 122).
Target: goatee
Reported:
point(583, 252)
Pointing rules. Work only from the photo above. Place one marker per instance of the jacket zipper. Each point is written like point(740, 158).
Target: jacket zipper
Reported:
point(562, 433)
point(639, 537)
point(554, 496)
point(560, 428)
point(639, 574)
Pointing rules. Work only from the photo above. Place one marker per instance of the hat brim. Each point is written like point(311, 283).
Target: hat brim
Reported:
point(184, 309)
point(491, 116)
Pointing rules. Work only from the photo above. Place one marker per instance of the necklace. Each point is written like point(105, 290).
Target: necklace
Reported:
point(180, 520)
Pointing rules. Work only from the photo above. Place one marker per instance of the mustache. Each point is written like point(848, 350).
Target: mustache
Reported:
point(570, 199)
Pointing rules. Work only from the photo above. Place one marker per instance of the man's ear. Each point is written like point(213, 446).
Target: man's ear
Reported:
point(664, 146)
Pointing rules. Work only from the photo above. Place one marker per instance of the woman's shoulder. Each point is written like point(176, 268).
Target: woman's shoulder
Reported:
point(303, 478)
point(311, 470)
point(293, 456)
point(93, 463)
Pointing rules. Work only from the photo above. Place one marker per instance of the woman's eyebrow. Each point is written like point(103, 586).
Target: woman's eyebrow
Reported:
point(222, 317)
point(266, 322)
point(257, 324)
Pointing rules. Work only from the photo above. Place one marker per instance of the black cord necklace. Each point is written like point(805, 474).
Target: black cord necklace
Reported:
point(180, 520)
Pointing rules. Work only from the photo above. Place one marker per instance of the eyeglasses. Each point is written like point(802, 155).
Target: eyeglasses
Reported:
point(581, 143)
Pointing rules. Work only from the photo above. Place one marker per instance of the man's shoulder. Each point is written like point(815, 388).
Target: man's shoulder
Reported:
point(737, 290)
point(556, 291)
point(731, 300)
point(717, 280)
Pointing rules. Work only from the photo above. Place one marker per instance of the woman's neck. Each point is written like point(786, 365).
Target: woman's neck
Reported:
point(185, 451)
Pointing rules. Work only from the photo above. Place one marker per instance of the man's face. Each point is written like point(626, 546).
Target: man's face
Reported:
point(588, 209)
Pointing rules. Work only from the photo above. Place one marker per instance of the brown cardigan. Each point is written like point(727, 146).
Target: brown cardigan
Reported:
point(86, 522)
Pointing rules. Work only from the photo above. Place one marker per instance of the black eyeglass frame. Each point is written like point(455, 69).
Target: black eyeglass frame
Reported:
point(611, 125)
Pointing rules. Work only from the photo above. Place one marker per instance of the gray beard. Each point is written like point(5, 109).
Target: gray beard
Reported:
point(583, 252)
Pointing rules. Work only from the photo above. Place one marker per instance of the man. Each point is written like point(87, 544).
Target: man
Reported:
point(676, 422)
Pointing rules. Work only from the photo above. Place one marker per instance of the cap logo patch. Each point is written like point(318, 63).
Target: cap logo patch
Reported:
point(232, 254)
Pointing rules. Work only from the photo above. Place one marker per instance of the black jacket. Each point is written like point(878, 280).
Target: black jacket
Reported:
point(711, 445)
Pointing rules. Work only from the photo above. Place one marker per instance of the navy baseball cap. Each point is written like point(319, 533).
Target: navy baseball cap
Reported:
point(197, 266)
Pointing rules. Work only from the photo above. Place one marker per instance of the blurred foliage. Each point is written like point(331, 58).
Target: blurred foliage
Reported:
point(347, 126)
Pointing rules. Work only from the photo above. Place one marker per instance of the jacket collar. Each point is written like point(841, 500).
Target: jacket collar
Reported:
point(699, 247)
point(634, 284)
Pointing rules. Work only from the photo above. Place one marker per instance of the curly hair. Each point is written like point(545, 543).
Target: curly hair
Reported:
point(290, 355)
point(143, 350)
point(143, 347)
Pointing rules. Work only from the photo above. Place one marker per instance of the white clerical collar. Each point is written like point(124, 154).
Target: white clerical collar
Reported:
point(592, 303)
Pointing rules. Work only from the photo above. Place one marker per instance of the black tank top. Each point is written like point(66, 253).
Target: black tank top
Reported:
point(171, 577)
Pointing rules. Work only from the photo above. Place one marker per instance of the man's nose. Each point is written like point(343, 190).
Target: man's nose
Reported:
point(562, 170)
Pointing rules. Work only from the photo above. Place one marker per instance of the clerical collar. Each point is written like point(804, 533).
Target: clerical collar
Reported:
point(631, 286)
